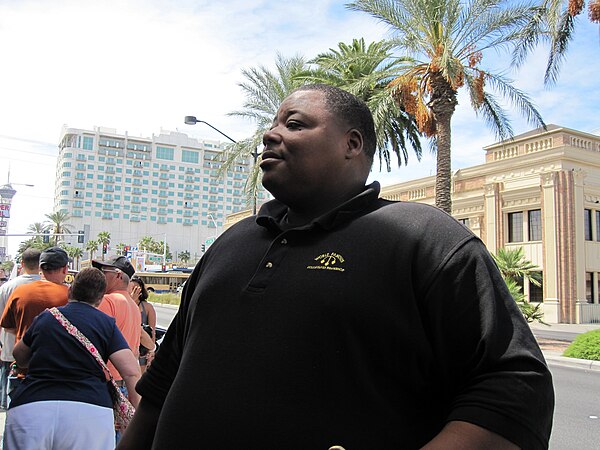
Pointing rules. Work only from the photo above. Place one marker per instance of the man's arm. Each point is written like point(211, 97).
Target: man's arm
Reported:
point(466, 436)
point(139, 435)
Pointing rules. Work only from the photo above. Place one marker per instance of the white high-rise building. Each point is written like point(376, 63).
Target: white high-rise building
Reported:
point(166, 187)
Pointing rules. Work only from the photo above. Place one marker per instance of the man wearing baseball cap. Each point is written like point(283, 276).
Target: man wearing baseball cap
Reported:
point(29, 300)
point(118, 303)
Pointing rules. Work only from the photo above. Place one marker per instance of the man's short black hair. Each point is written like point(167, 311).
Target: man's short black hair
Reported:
point(30, 258)
point(351, 110)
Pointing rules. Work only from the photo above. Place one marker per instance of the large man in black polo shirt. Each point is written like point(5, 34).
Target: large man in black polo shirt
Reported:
point(334, 318)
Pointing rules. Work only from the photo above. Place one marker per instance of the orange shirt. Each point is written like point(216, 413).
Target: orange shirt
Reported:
point(122, 307)
point(28, 300)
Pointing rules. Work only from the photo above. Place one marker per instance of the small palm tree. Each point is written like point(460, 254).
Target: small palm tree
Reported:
point(75, 253)
point(91, 246)
point(184, 256)
point(447, 40)
point(58, 223)
point(514, 267)
point(146, 243)
point(121, 248)
point(103, 239)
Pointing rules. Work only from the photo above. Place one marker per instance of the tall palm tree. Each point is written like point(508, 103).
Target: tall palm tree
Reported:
point(555, 23)
point(58, 223)
point(37, 228)
point(103, 239)
point(264, 90)
point(91, 246)
point(447, 39)
point(365, 71)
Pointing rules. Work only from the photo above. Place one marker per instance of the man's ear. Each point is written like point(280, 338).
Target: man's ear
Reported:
point(354, 142)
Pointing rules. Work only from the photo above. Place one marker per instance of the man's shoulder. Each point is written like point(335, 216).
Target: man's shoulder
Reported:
point(24, 288)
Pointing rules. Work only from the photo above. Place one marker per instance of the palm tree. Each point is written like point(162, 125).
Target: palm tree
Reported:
point(76, 253)
point(91, 246)
point(184, 256)
point(514, 267)
point(103, 239)
point(264, 90)
point(146, 243)
point(450, 38)
point(555, 23)
point(58, 224)
point(37, 228)
point(365, 72)
point(121, 248)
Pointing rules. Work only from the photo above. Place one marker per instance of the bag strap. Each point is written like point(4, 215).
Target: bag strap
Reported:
point(87, 344)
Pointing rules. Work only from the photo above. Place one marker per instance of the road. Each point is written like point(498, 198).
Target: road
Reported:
point(577, 412)
point(164, 315)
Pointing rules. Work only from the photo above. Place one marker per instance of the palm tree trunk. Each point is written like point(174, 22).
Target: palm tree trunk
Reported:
point(443, 103)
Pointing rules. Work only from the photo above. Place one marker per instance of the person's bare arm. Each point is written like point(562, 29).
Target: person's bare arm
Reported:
point(467, 436)
point(22, 354)
point(129, 369)
point(139, 435)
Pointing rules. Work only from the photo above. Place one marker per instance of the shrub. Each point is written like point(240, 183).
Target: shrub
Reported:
point(585, 346)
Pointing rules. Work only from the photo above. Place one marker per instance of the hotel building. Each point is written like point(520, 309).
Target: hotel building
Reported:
point(167, 186)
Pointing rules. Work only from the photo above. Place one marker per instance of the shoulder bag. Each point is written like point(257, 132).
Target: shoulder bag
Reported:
point(122, 408)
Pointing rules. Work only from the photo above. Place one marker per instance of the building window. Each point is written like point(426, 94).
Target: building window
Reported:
point(587, 224)
point(465, 221)
point(88, 143)
point(598, 226)
point(535, 224)
point(589, 287)
point(536, 293)
point(189, 156)
point(515, 227)
point(165, 153)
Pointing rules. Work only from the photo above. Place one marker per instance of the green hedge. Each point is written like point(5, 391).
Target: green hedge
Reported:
point(585, 346)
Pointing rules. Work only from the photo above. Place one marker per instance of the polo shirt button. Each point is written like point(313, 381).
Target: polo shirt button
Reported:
point(269, 265)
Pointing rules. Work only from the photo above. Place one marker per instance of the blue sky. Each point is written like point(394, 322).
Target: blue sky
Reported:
point(141, 65)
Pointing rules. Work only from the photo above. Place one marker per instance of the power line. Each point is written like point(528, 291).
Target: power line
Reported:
point(31, 141)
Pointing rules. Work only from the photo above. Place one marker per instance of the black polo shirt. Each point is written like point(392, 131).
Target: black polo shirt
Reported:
point(371, 327)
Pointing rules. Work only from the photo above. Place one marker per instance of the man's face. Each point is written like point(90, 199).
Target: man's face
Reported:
point(112, 278)
point(304, 150)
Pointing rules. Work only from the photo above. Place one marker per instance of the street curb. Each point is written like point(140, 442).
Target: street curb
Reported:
point(565, 361)
point(165, 305)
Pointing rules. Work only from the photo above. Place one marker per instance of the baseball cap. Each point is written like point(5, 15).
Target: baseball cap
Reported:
point(53, 258)
point(120, 262)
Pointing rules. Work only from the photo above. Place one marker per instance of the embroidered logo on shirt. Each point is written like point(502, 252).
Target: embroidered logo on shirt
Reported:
point(328, 261)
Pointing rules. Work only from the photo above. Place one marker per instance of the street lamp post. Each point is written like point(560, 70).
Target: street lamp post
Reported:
point(191, 120)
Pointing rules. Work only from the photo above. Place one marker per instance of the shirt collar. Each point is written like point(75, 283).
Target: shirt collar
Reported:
point(271, 213)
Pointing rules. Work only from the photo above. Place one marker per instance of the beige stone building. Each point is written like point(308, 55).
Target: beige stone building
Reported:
point(539, 191)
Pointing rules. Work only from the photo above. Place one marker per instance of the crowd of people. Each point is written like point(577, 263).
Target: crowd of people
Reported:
point(54, 390)
point(333, 319)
